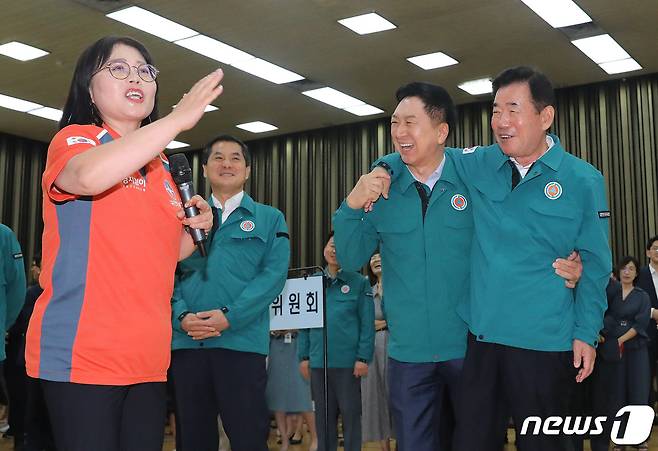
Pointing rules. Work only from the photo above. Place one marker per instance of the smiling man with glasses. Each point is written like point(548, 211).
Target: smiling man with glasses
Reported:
point(648, 281)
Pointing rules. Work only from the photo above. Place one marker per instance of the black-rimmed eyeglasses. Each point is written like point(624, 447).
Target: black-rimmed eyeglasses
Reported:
point(121, 70)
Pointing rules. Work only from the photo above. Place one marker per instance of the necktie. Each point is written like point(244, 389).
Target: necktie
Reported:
point(216, 220)
point(424, 198)
point(516, 175)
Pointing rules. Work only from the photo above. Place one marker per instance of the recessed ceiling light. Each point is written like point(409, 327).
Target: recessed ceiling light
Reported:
point(268, 71)
point(617, 67)
point(364, 110)
point(257, 127)
point(432, 60)
point(152, 23)
point(207, 109)
point(333, 97)
point(20, 51)
point(476, 87)
point(16, 104)
point(367, 23)
point(176, 145)
point(558, 13)
point(601, 48)
point(47, 113)
point(214, 49)
point(204, 45)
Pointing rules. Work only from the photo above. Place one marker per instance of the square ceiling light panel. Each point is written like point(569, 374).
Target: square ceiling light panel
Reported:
point(176, 145)
point(477, 87)
point(367, 23)
point(433, 60)
point(152, 23)
point(257, 127)
point(607, 53)
point(558, 13)
point(20, 51)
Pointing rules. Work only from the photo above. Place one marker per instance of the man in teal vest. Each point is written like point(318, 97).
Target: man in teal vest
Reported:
point(220, 310)
point(350, 346)
point(427, 340)
point(531, 337)
point(12, 281)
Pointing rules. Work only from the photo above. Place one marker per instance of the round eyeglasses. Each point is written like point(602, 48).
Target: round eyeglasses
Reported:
point(121, 70)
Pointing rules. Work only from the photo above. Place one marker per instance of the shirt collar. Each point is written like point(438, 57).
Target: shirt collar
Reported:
point(653, 271)
point(434, 176)
point(552, 157)
point(342, 276)
point(406, 178)
point(232, 202)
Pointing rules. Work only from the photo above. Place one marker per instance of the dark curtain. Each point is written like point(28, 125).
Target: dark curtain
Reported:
point(21, 164)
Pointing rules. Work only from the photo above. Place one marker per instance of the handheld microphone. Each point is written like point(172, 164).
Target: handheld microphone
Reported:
point(182, 175)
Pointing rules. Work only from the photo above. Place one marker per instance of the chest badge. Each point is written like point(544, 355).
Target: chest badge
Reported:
point(553, 190)
point(169, 190)
point(345, 289)
point(247, 226)
point(458, 202)
point(172, 195)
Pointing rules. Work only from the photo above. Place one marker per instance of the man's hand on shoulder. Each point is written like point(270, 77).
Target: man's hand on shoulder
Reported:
point(570, 269)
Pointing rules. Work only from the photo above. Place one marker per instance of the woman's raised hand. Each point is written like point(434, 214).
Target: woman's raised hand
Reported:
point(191, 107)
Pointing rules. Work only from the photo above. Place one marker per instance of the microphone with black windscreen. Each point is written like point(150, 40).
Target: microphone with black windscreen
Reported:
point(182, 175)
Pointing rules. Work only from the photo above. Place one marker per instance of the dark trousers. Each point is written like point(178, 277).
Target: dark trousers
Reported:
point(497, 380)
point(344, 396)
point(618, 384)
point(38, 432)
point(106, 417)
point(211, 382)
point(421, 400)
point(16, 379)
point(653, 358)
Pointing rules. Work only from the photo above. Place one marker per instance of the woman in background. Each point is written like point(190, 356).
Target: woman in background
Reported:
point(376, 419)
point(287, 391)
point(622, 373)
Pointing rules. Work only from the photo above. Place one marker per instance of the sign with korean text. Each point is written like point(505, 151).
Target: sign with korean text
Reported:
point(299, 306)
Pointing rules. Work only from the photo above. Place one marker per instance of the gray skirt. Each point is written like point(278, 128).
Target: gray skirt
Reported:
point(287, 390)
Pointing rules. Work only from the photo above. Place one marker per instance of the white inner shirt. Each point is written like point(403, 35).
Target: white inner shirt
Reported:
point(523, 170)
point(231, 204)
point(434, 176)
point(654, 276)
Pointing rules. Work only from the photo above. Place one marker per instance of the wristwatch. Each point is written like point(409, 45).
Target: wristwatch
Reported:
point(182, 315)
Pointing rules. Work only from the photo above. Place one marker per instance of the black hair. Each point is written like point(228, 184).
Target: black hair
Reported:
point(79, 108)
point(37, 259)
point(625, 261)
point(438, 103)
point(652, 240)
point(226, 138)
point(541, 88)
